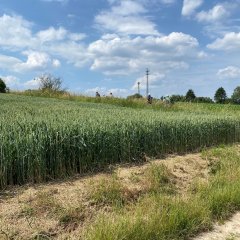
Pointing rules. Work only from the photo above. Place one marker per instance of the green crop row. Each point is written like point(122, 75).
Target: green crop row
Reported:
point(43, 139)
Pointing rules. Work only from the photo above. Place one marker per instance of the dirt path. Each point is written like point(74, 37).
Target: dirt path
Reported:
point(230, 230)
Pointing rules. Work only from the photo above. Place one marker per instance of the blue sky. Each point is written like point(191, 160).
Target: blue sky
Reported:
point(106, 45)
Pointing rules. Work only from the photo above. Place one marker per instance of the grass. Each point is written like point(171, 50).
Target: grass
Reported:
point(72, 217)
point(136, 103)
point(159, 215)
point(108, 191)
point(44, 202)
point(159, 179)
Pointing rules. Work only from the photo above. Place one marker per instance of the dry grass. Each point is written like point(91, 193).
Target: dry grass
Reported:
point(62, 210)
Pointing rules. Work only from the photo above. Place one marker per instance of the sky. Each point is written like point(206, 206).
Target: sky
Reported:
point(106, 45)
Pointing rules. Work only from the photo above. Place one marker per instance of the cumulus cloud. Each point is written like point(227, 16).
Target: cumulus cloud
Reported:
point(230, 41)
point(52, 35)
point(126, 17)
point(123, 55)
point(229, 72)
point(16, 35)
point(189, 6)
point(217, 13)
point(36, 61)
point(73, 52)
point(15, 32)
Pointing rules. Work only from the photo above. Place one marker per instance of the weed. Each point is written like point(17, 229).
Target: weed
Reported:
point(159, 179)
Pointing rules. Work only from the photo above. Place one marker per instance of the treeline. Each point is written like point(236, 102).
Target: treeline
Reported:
point(219, 97)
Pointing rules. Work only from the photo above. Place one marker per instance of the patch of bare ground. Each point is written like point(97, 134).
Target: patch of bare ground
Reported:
point(230, 230)
point(61, 210)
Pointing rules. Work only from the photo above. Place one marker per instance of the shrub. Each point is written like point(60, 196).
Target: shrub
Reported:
point(136, 95)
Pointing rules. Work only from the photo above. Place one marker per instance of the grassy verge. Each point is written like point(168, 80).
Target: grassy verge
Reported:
point(121, 102)
point(176, 198)
point(159, 215)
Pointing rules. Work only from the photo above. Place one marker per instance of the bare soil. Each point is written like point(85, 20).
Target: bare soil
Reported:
point(230, 230)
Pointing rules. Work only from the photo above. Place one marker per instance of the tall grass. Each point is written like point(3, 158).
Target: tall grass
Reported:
point(43, 139)
point(165, 217)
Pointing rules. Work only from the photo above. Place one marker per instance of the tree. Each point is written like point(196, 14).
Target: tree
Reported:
point(2, 86)
point(177, 98)
point(190, 95)
point(220, 95)
point(136, 95)
point(50, 83)
point(203, 100)
point(236, 95)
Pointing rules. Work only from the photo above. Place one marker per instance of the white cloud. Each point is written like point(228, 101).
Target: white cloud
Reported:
point(202, 54)
point(7, 62)
point(126, 17)
point(56, 63)
point(16, 35)
point(76, 36)
point(15, 32)
point(217, 13)
point(36, 61)
point(124, 55)
point(74, 53)
point(154, 80)
point(52, 34)
point(189, 6)
point(11, 81)
point(32, 84)
point(229, 72)
point(230, 41)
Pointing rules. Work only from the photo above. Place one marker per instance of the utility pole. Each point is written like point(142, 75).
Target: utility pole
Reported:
point(147, 87)
point(138, 88)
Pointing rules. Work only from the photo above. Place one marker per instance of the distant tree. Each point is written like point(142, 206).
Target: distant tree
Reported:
point(50, 83)
point(3, 86)
point(177, 98)
point(236, 95)
point(203, 100)
point(190, 95)
point(136, 95)
point(220, 95)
